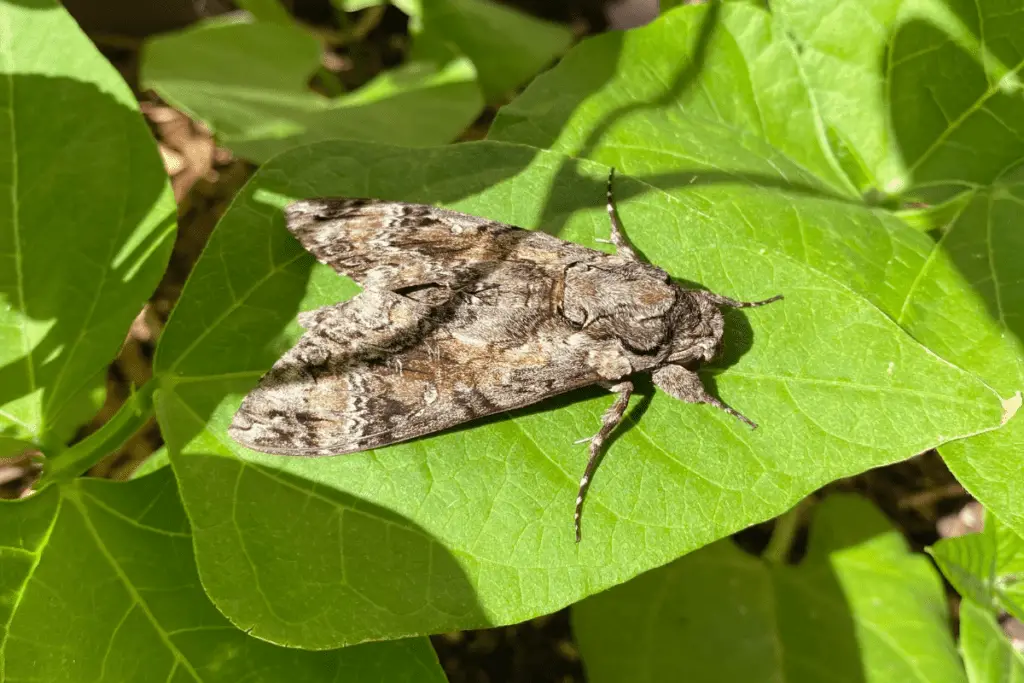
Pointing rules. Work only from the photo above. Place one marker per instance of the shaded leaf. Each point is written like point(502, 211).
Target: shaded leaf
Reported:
point(859, 607)
point(903, 85)
point(507, 47)
point(100, 584)
point(939, 110)
point(86, 223)
point(248, 82)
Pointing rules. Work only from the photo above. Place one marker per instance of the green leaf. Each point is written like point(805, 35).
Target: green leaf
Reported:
point(903, 83)
point(86, 222)
point(266, 10)
point(989, 655)
point(100, 583)
point(987, 568)
point(664, 102)
point(939, 108)
point(981, 329)
point(713, 89)
point(507, 47)
point(248, 82)
point(474, 527)
point(859, 607)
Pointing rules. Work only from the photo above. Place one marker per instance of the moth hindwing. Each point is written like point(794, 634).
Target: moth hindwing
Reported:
point(462, 317)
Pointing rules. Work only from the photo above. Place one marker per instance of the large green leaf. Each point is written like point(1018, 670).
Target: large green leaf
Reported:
point(986, 568)
point(100, 584)
point(718, 95)
point(859, 607)
point(989, 655)
point(474, 526)
point(86, 223)
point(249, 83)
point(940, 108)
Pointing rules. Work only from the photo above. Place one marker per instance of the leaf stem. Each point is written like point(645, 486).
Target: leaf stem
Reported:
point(129, 419)
point(784, 533)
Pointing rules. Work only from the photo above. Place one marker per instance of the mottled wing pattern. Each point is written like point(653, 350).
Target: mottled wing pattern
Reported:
point(392, 245)
point(383, 368)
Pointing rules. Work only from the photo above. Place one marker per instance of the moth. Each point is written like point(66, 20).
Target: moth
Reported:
point(462, 317)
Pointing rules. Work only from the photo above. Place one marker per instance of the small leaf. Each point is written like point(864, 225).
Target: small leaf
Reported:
point(986, 568)
point(99, 583)
point(248, 82)
point(860, 606)
point(989, 655)
point(266, 10)
point(506, 46)
point(86, 222)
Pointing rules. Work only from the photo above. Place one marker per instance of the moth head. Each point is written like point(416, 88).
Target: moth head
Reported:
point(697, 329)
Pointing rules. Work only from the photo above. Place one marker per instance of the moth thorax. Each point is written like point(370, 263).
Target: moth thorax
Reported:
point(698, 330)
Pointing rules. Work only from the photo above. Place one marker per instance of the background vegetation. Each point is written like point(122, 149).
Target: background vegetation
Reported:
point(863, 158)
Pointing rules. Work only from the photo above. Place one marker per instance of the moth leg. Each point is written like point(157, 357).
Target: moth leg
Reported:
point(609, 421)
point(685, 385)
point(618, 236)
point(720, 300)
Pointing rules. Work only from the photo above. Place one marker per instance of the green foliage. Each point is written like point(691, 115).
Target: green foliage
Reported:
point(100, 585)
point(98, 579)
point(727, 117)
point(97, 189)
point(484, 505)
point(988, 654)
point(757, 153)
point(987, 568)
point(858, 607)
point(249, 81)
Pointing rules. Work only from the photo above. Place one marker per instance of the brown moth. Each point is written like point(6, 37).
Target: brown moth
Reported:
point(462, 317)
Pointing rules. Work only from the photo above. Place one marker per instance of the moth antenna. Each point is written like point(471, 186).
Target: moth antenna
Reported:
point(618, 235)
point(609, 421)
point(733, 303)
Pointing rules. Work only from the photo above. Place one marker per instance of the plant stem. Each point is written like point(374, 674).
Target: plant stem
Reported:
point(786, 526)
point(131, 417)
